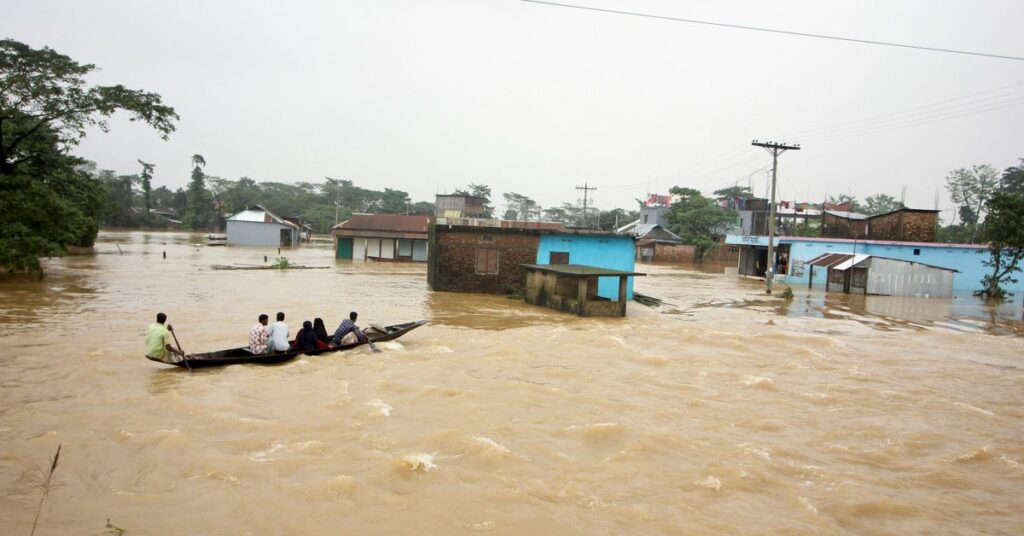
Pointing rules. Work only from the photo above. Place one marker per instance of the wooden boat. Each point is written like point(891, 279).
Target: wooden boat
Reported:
point(236, 356)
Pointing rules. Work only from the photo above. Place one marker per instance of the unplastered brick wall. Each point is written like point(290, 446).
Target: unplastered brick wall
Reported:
point(454, 265)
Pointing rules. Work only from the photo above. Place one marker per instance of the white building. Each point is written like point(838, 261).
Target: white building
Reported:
point(257, 226)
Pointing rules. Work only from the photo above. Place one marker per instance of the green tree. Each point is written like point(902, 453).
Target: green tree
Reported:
point(197, 213)
point(520, 207)
point(146, 179)
point(969, 188)
point(698, 220)
point(1004, 231)
point(734, 192)
point(1013, 179)
point(48, 199)
point(880, 204)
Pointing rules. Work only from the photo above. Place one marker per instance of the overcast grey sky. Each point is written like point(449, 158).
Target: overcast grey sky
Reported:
point(426, 96)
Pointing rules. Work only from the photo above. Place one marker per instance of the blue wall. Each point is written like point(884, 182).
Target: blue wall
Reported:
point(965, 259)
point(612, 252)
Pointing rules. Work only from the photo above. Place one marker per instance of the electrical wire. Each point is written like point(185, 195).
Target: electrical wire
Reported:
point(771, 30)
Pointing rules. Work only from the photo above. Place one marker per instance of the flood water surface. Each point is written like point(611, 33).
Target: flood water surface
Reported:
point(723, 411)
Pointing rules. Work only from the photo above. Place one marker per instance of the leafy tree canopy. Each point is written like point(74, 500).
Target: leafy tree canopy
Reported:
point(1004, 231)
point(48, 199)
point(698, 220)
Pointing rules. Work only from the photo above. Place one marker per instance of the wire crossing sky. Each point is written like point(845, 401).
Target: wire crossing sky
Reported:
point(770, 30)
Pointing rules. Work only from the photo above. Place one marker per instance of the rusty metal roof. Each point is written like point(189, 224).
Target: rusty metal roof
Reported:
point(829, 260)
point(395, 223)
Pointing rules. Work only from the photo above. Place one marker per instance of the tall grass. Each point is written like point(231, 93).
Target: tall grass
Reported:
point(46, 484)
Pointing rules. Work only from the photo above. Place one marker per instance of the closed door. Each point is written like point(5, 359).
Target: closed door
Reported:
point(344, 249)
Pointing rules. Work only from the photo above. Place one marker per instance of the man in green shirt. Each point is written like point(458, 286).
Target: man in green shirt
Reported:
point(158, 341)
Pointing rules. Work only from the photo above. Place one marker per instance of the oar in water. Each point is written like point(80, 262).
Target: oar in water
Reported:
point(189, 367)
point(372, 346)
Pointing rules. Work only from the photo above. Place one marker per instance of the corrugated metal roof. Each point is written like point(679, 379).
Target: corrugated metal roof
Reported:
point(847, 215)
point(400, 223)
point(828, 260)
point(259, 214)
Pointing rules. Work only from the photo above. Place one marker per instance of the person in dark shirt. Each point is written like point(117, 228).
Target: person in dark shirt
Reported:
point(348, 332)
point(321, 330)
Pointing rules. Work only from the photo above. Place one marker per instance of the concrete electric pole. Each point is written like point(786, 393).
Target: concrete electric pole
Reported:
point(586, 188)
point(775, 149)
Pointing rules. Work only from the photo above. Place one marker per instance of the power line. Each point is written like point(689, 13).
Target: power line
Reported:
point(771, 30)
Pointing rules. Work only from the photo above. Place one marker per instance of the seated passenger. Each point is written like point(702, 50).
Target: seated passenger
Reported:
point(306, 340)
point(258, 336)
point(348, 332)
point(279, 335)
point(321, 330)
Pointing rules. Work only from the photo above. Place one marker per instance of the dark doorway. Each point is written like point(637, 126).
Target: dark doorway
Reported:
point(286, 238)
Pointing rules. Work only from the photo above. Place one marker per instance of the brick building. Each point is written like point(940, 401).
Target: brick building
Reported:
point(842, 224)
point(490, 258)
point(905, 224)
point(480, 259)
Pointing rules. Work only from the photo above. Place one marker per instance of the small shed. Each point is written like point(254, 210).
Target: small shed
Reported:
point(257, 226)
point(382, 237)
point(573, 288)
point(881, 276)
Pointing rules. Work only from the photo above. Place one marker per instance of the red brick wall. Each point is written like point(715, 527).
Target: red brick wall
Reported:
point(452, 265)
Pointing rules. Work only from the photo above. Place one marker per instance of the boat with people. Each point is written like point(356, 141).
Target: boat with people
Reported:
point(235, 356)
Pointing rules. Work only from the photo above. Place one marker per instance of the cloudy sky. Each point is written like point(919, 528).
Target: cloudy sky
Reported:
point(426, 96)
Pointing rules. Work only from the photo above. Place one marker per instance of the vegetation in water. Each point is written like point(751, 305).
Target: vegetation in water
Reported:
point(516, 292)
point(787, 294)
point(281, 263)
point(46, 484)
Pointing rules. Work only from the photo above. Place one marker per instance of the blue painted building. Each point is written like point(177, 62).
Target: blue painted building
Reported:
point(794, 252)
point(602, 250)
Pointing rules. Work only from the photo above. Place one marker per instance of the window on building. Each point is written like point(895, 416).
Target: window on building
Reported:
point(558, 257)
point(645, 218)
point(917, 251)
point(487, 260)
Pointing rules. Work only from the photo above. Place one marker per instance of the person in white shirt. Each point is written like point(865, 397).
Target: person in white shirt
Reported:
point(279, 335)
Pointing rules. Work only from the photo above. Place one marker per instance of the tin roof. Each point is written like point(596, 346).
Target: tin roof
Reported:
point(847, 215)
point(258, 214)
point(845, 261)
point(396, 223)
point(577, 270)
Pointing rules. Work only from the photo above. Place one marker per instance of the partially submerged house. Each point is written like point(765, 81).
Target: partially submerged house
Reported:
point(257, 226)
point(867, 274)
point(574, 288)
point(382, 237)
point(491, 258)
point(654, 241)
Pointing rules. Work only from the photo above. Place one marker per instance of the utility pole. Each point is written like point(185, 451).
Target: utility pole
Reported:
point(775, 149)
point(586, 188)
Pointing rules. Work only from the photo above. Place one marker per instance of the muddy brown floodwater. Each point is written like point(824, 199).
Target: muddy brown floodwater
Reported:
point(724, 412)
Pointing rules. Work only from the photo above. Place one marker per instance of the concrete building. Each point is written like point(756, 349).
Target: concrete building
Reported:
point(382, 237)
point(881, 276)
point(259, 227)
point(490, 259)
point(574, 288)
point(795, 252)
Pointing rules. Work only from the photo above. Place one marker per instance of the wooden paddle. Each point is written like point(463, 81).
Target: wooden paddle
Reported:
point(372, 346)
point(189, 367)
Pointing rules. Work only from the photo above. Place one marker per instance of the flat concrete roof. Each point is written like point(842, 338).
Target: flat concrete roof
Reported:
point(577, 270)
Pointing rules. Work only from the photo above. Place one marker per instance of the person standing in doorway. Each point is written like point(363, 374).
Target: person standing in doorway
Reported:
point(279, 335)
point(158, 341)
